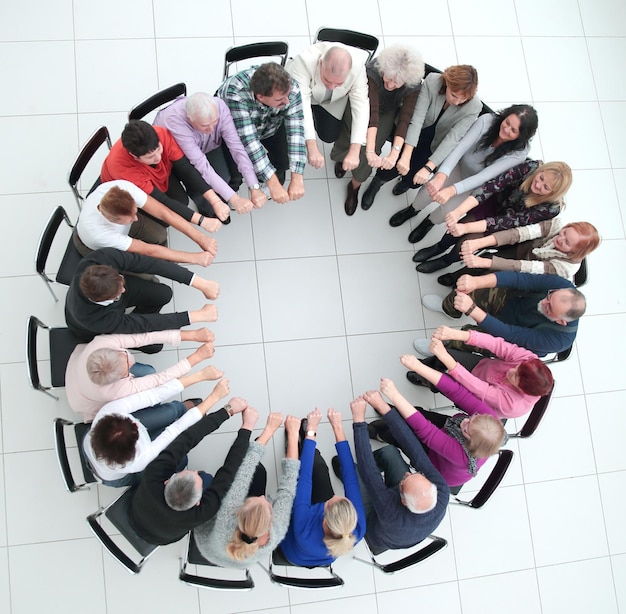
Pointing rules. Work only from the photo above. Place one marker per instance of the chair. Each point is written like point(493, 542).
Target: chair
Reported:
point(157, 100)
point(580, 278)
point(80, 430)
point(96, 140)
point(117, 513)
point(193, 557)
point(255, 50)
point(559, 356)
point(278, 558)
point(437, 544)
point(535, 417)
point(505, 457)
point(70, 259)
point(62, 344)
point(367, 42)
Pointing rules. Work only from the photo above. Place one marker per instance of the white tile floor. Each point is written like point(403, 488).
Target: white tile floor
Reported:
point(315, 306)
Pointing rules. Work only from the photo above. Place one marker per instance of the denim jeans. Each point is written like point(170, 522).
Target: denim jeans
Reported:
point(139, 369)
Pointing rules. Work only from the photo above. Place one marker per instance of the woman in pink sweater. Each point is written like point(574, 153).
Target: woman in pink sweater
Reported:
point(456, 445)
point(510, 384)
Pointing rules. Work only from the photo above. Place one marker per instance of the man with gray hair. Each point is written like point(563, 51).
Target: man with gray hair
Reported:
point(204, 129)
point(332, 76)
point(170, 502)
point(403, 508)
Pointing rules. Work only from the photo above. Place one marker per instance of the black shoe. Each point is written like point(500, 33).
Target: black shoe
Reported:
point(370, 194)
point(226, 221)
point(448, 279)
point(415, 379)
point(400, 188)
point(432, 265)
point(336, 466)
point(194, 402)
point(417, 234)
point(352, 200)
point(304, 427)
point(339, 172)
point(379, 431)
point(427, 253)
point(280, 175)
point(397, 219)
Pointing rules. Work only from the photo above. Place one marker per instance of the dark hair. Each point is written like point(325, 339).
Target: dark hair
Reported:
point(139, 137)
point(114, 438)
point(100, 282)
point(269, 78)
point(118, 201)
point(534, 378)
point(528, 126)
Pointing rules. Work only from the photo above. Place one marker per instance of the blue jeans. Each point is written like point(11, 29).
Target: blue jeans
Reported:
point(139, 369)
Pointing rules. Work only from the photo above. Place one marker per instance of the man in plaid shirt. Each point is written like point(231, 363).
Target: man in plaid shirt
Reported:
point(267, 108)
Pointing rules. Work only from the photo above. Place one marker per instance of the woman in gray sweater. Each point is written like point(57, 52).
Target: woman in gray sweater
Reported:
point(247, 526)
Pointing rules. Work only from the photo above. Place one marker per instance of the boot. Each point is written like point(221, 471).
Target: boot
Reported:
point(432, 265)
point(352, 200)
point(370, 194)
point(427, 253)
point(417, 234)
point(401, 187)
point(397, 219)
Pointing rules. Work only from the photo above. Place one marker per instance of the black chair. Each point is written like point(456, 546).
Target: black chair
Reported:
point(367, 42)
point(255, 50)
point(70, 259)
point(580, 278)
point(278, 558)
point(157, 100)
point(559, 356)
point(117, 513)
point(62, 343)
point(535, 417)
point(505, 458)
point(96, 140)
point(435, 545)
point(193, 557)
point(80, 431)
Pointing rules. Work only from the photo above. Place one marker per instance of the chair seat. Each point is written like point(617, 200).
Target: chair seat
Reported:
point(119, 515)
point(62, 344)
point(69, 264)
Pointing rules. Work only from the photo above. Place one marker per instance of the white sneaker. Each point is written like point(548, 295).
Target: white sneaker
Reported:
point(421, 347)
point(433, 302)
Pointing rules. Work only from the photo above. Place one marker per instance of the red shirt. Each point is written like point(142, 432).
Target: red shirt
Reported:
point(119, 164)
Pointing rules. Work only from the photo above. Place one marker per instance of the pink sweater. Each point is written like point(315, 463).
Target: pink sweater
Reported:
point(87, 398)
point(487, 379)
point(444, 451)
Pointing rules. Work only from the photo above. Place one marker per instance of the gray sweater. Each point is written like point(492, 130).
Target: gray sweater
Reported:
point(213, 536)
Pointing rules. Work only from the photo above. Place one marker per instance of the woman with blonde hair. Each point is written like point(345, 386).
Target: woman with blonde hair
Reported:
point(528, 193)
point(248, 526)
point(323, 525)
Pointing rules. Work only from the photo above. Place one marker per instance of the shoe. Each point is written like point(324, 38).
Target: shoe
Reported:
point(448, 279)
point(421, 347)
point(432, 265)
point(336, 466)
point(226, 221)
point(370, 194)
point(398, 218)
point(379, 431)
point(280, 175)
point(352, 200)
point(433, 302)
point(426, 254)
point(194, 402)
point(339, 172)
point(415, 379)
point(400, 188)
point(417, 234)
point(304, 427)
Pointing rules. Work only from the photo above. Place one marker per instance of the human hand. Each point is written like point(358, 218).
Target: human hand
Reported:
point(258, 198)
point(241, 205)
point(456, 230)
point(220, 208)
point(205, 351)
point(296, 186)
point(208, 313)
point(373, 159)
point(211, 224)
point(422, 176)
point(334, 417)
point(452, 218)
point(437, 347)
point(208, 244)
point(434, 185)
point(292, 426)
point(389, 161)
point(221, 389)
point(314, 418)
point(444, 195)
point(445, 333)
point(278, 193)
point(466, 283)
point(476, 262)
point(410, 362)
point(202, 258)
point(249, 417)
point(375, 399)
point(358, 407)
point(388, 388)
point(351, 161)
point(314, 155)
point(462, 301)
point(202, 335)
point(237, 405)
point(404, 163)
point(211, 373)
point(274, 420)
point(469, 246)
point(210, 289)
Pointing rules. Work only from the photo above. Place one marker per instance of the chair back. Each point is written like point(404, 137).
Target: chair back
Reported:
point(367, 42)
point(278, 558)
point(157, 100)
point(80, 430)
point(194, 557)
point(580, 278)
point(535, 417)
point(118, 514)
point(96, 140)
point(255, 50)
point(505, 458)
point(71, 256)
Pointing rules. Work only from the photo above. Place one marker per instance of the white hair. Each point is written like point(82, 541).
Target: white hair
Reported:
point(421, 497)
point(401, 63)
point(200, 106)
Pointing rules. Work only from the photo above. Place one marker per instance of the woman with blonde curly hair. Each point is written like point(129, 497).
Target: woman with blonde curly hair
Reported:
point(393, 79)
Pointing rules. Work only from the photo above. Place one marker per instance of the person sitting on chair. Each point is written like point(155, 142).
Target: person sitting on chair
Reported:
point(204, 129)
point(103, 287)
point(119, 214)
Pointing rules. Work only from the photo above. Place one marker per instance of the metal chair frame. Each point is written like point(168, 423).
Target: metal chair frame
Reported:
point(158, 99)
point(255, 50)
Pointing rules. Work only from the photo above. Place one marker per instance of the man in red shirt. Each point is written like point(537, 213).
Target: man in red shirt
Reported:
point(150, 158)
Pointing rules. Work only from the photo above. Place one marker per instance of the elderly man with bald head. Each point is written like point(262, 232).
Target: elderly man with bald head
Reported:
point(204, 129)
point(330, 76)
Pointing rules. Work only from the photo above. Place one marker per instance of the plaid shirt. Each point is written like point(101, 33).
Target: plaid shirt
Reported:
point(255, 121)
